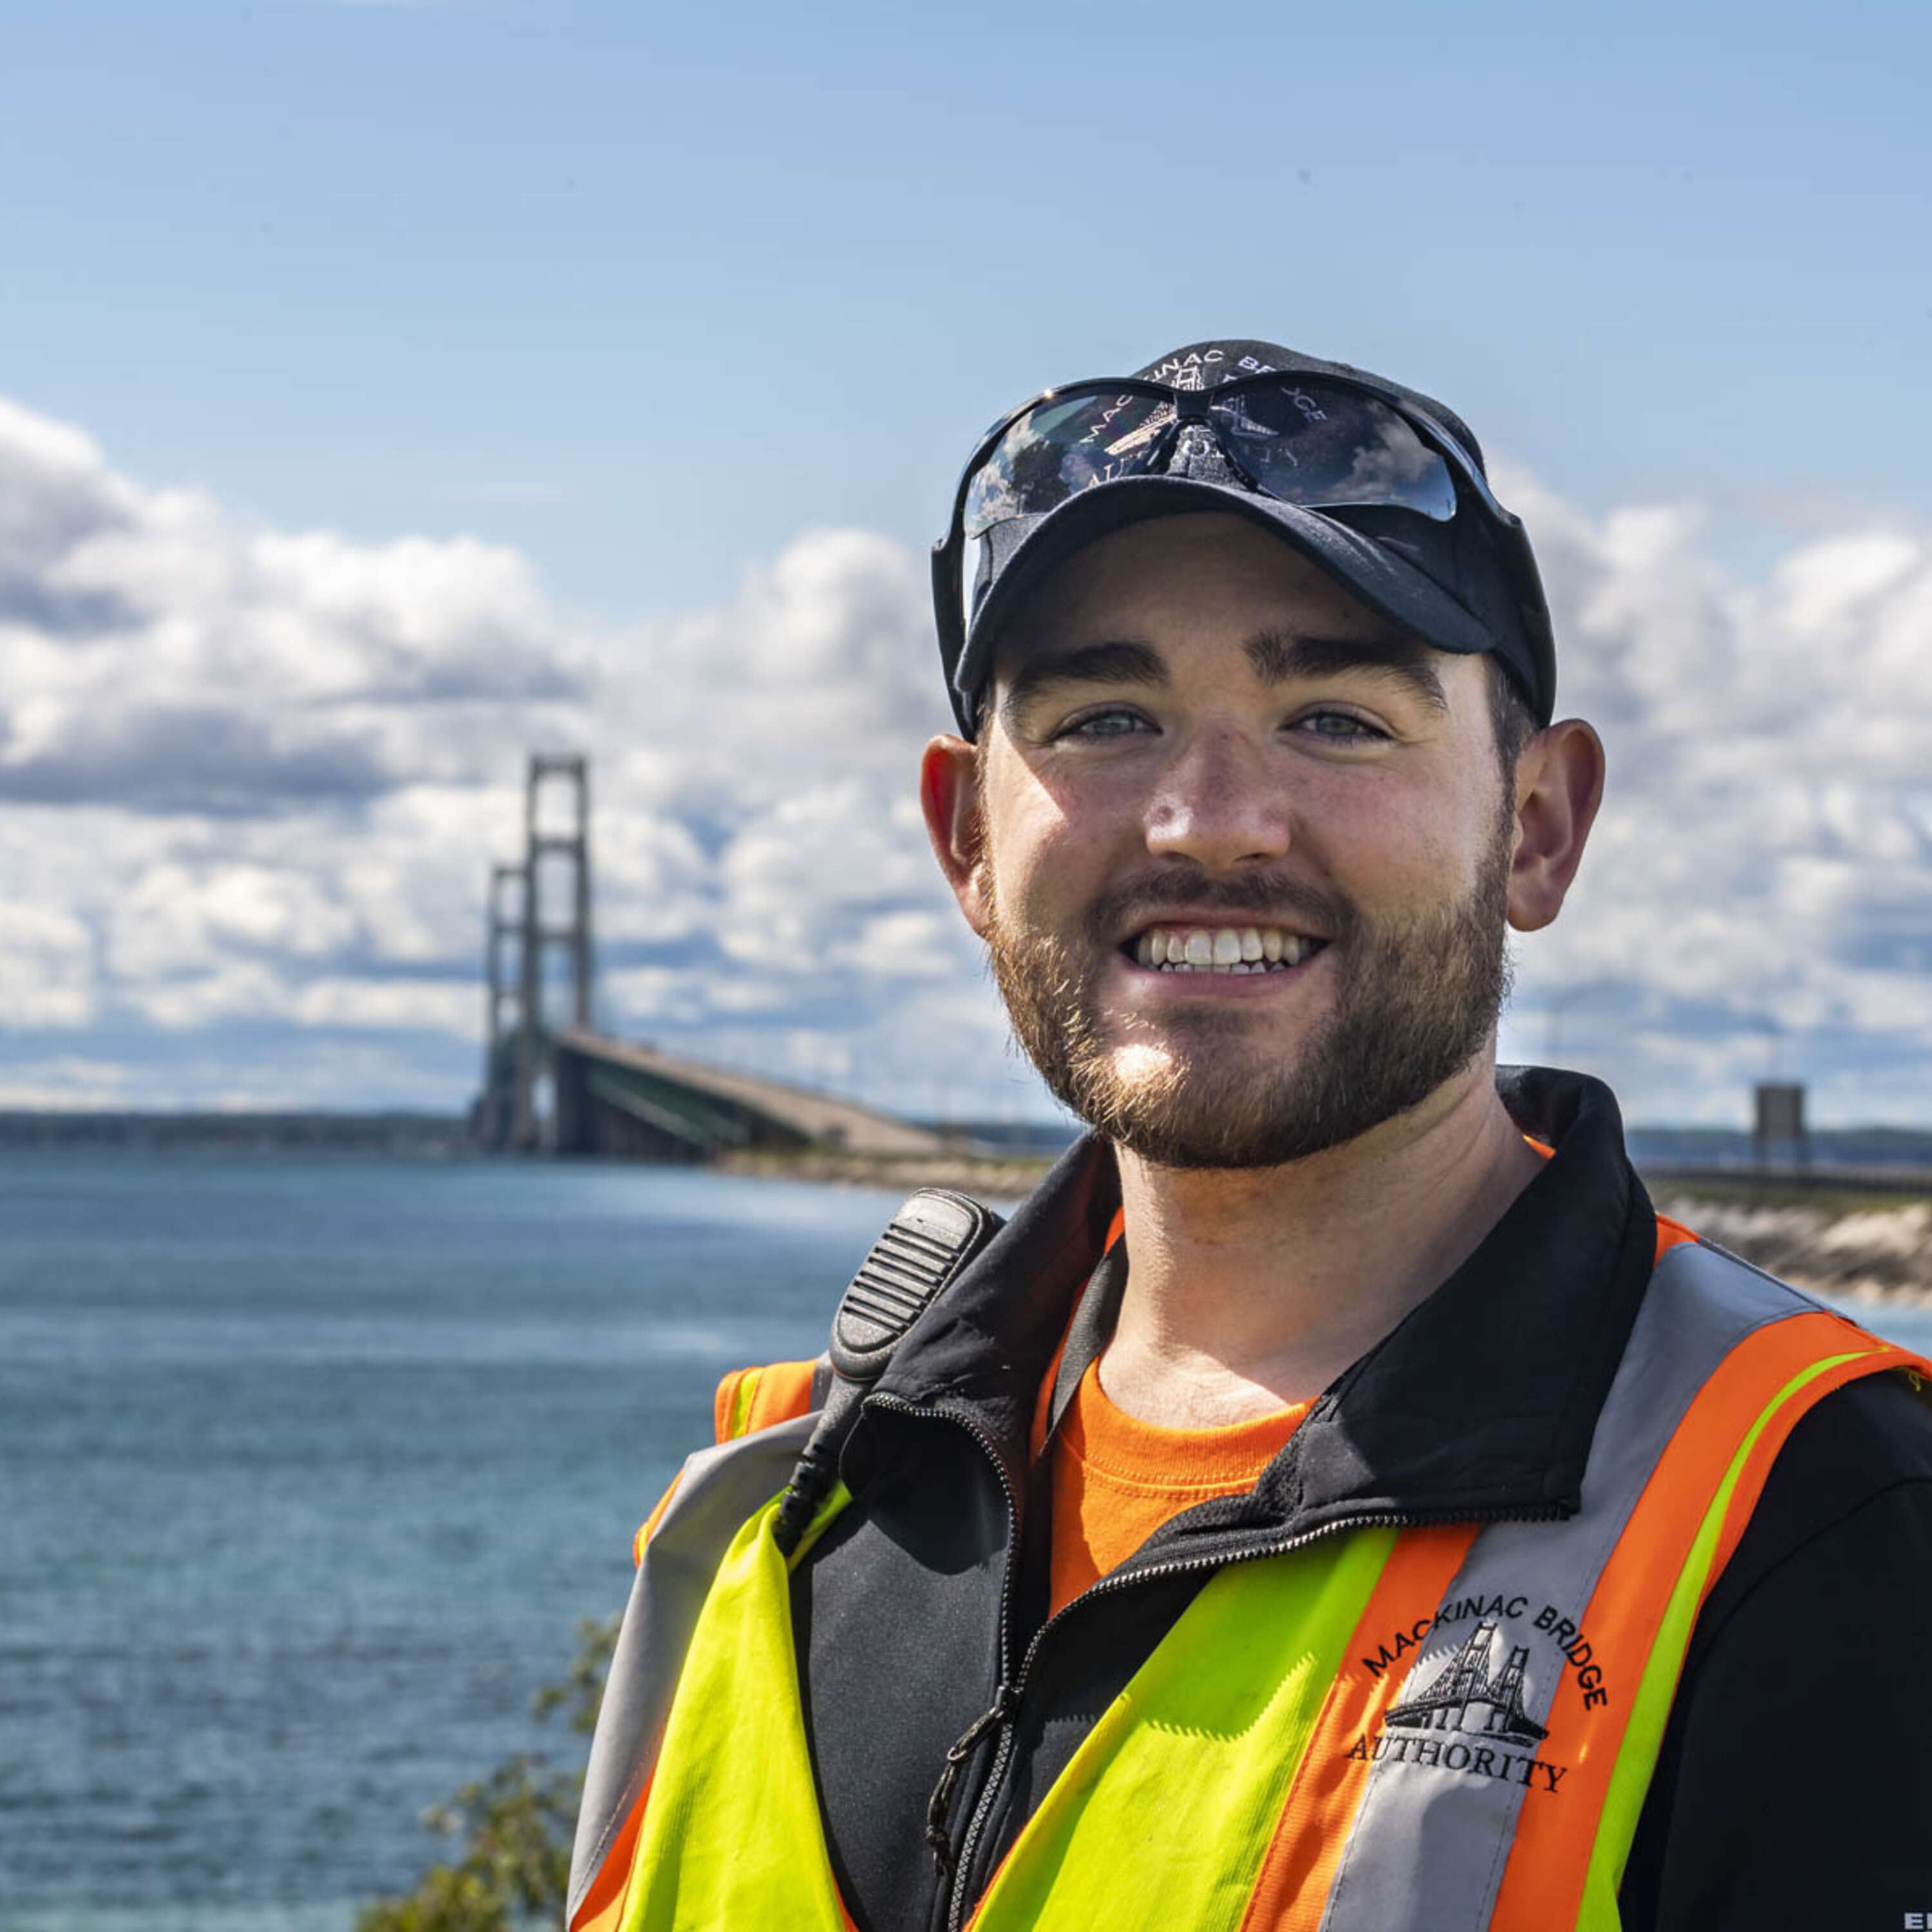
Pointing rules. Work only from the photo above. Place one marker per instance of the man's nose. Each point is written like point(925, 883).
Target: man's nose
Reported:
point(1219, 804)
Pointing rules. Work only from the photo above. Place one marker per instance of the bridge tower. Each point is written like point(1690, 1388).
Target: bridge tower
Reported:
point(491, 1125)
point(1468, 1676)
point(1507, 1715)
point(518, 1054)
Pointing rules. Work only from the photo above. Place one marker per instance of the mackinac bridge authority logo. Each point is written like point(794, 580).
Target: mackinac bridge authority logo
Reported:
point(1464, 1696)
point(1470, 1714)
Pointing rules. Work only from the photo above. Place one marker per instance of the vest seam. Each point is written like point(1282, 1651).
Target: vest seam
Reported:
point(1797, 1294)
point(1824, 1530)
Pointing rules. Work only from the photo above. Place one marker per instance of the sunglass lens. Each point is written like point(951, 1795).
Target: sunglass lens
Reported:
point(1056, 451)
point(1325, 448)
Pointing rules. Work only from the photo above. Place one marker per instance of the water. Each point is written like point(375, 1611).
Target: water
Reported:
point(308, 1468)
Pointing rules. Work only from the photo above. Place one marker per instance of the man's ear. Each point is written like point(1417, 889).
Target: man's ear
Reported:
point(1559, 784)
point(948, 792)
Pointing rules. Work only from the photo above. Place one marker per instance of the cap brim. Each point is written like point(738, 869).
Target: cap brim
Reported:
point(1380, 579)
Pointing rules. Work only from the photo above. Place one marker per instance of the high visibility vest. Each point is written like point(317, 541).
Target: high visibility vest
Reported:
point(1445, 1729)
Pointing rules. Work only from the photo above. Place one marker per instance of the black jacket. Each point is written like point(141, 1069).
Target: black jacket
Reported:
point(1795, 1785)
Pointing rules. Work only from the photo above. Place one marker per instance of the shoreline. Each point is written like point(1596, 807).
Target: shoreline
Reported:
point(986, 1177)
point(1878, 1256)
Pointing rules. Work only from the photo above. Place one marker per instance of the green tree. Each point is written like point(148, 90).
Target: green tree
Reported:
point(513, 1827)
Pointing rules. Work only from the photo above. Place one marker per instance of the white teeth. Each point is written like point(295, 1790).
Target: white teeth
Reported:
point(1221, 949)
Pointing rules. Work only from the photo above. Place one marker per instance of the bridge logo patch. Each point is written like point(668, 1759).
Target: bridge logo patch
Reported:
point(1472, 1713)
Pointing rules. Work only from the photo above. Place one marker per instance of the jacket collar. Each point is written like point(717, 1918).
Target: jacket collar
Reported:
point(1482, 1402)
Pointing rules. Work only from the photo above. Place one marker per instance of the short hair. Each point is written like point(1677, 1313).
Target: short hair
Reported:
point(1510, 713)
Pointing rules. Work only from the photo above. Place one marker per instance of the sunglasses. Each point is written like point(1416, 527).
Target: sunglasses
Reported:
point(1322, 442)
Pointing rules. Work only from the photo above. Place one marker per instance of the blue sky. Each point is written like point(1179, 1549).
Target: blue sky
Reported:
point(610, 309)
point(644, 290)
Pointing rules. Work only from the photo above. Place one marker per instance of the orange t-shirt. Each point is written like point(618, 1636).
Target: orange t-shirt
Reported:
point(1116, 1479)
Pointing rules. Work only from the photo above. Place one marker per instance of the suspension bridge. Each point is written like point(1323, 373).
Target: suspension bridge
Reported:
point(560, 1086)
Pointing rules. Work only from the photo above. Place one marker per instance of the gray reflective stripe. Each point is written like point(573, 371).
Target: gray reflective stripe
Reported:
point(1429, 1845)
point(718, 1489)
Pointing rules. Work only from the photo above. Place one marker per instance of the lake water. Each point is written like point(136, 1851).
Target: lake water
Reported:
point(308, 1468)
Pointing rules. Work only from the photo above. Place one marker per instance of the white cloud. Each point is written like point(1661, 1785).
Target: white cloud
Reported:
point(445, 1006)
point(47, 966)
point(71, 1082)
point(251, 781)
point(1763, 868)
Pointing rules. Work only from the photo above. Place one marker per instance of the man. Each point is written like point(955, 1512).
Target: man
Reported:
point(1335, 1500)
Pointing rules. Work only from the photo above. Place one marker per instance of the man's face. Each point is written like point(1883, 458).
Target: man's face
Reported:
point(1201, 748)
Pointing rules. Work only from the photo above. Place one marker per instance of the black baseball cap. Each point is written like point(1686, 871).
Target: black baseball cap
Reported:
point(1466, 582)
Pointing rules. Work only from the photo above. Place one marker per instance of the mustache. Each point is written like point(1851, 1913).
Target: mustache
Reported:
point(1263, 899)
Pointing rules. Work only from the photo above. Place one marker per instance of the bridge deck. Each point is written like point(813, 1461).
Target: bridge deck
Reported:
point(797, 1114)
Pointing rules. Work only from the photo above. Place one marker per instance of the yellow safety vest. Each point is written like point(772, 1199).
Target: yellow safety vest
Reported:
point(1388, 1729)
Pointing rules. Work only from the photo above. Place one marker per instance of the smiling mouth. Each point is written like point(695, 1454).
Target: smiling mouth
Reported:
point(1221, 949)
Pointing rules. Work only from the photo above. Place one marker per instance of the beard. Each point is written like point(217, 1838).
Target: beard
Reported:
point(1418, 999)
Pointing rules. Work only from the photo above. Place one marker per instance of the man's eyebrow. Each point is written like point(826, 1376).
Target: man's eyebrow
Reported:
point(1120, 662)
point(1277, 656)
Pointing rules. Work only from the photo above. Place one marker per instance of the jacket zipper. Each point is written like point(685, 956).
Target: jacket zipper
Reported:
point(1000, 1711)
point(1012, 1686)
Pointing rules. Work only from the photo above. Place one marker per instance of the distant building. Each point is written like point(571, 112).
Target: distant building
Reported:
point(1777, 1133)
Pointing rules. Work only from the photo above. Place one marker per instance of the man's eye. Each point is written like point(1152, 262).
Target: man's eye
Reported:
point(1103, 724)
point(1341, 728)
